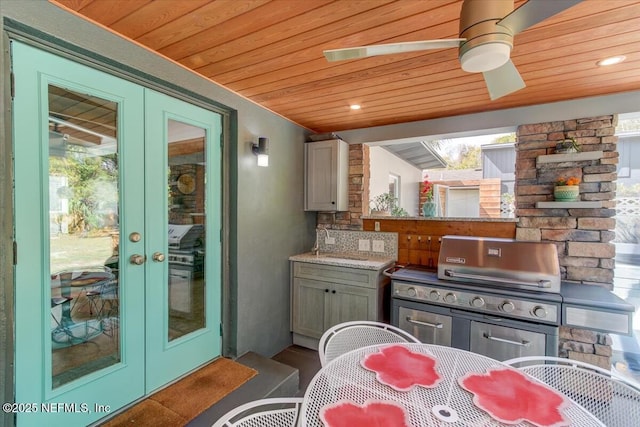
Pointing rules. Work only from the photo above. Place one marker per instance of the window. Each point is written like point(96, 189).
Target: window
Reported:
point(394, 186)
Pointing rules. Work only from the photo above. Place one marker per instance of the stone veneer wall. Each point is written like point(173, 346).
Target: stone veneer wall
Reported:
point(583, 236)
point(359, 177)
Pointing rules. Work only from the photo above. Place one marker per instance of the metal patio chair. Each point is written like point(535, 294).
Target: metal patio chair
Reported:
point(348, 336)
point(77, 321)
point(612, 399)
point(270, 412)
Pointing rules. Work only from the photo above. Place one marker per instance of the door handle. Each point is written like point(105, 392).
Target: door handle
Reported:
point(421, 323)
point(521, 343)
point(137, 259)
point(158, 256)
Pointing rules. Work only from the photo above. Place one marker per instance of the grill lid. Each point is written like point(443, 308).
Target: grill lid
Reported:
point(500, 262)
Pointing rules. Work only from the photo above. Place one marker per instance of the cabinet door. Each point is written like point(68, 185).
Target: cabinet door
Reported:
point(310, 307)
point(429, 328)
point(502, 343)
point(326, 176)
point(351, 303)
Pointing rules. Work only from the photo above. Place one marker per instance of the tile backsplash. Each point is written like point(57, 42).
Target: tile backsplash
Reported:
point(378, 243)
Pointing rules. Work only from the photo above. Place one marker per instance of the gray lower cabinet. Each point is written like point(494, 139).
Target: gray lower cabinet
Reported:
point(502, 343)
point(325, 295)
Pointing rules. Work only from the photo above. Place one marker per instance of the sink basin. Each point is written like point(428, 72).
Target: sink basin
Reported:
point(344, 256)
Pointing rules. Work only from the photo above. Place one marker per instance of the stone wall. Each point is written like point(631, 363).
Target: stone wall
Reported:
point(583, 234)
point(359, 177)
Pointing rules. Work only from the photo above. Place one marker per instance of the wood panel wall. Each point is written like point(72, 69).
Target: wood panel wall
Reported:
point(419, 240)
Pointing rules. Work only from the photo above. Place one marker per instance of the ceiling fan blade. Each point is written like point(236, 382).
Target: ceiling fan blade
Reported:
point(532, 12)
point(387, 49)
point(503, 80)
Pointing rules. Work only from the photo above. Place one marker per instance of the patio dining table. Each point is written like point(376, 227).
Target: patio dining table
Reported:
point(429, 385)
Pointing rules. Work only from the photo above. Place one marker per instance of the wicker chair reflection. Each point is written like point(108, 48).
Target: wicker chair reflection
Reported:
point(609, 397)
point(348, 336)
point(271, 412)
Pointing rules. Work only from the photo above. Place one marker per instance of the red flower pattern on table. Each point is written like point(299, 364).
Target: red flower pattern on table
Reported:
point(510, 397)
point(401, 369)
point(371, 414)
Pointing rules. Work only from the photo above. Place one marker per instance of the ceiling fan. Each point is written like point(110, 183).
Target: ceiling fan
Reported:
point(486, 39)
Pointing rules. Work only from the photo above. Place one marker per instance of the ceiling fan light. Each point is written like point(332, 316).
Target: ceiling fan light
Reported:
point(485, 57)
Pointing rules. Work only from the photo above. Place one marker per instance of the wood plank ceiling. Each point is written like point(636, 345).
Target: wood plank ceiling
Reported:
point(270, 51)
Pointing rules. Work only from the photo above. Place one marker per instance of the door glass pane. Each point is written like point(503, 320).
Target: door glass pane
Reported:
point(186, 197)
point(83, 233)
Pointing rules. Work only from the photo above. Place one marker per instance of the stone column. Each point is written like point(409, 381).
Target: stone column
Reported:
point(583, 236)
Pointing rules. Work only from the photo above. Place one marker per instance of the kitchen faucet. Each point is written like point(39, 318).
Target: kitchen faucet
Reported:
point(316, 246)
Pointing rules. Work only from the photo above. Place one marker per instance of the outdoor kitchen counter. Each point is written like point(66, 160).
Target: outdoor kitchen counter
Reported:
point(594, 307)
point(335, 287)
point(439, 218)
point(345, 260)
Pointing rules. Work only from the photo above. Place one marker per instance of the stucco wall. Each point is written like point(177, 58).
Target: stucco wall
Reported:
point(382, 163)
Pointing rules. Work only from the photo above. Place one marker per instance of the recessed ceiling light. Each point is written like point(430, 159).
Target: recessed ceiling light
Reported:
point(611, 61)
point(355, 106)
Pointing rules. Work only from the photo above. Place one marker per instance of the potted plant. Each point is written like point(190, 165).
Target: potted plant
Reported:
point(568, 145)
point(383, 204)
point(567, 189)
point(429, 206)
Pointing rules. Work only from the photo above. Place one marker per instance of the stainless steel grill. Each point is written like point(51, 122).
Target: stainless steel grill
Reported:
point(500, 262)
point(496, 297)
point(499, 297)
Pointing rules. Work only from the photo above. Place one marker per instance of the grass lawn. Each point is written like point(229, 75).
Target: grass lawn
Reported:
point(70, 252)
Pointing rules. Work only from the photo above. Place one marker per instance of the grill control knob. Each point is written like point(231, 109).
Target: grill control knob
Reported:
point(450, 297)
point(477, 302)
point(434, 295)
point(539, 312)
point(508, 306)
point(412, 292)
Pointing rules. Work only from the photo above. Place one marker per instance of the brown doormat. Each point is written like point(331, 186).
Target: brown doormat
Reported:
point(181, 402)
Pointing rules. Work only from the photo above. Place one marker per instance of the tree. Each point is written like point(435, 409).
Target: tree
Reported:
point(91, 186)
point(468, 158)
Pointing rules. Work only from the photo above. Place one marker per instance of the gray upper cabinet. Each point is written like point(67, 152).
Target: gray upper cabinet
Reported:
point(326, 166)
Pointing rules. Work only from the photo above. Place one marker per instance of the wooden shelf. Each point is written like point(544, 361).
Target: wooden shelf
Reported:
point(570, 157)
point(569, 205)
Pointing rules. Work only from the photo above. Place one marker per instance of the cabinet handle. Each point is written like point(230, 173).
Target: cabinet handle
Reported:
point(421, 323)
point(326, 290)
point(522, 343)
point(333, 291)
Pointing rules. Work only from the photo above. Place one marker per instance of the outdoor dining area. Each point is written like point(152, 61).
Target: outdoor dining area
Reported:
point(82, 303)
point(374, 374)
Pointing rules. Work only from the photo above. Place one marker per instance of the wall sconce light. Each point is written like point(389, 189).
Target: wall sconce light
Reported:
point(261, 149)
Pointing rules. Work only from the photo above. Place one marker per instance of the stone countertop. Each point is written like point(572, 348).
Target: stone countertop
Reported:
point(364, 261)
point(593, 296)
point(438, 218)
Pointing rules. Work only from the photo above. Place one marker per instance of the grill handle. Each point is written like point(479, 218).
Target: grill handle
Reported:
point(522, 343)
point(421, 323)
point(538, 284)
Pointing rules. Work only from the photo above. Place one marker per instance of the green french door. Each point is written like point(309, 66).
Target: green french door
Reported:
point(117, 225)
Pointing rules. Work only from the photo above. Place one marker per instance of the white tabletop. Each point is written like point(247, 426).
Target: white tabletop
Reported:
point(346, 380)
